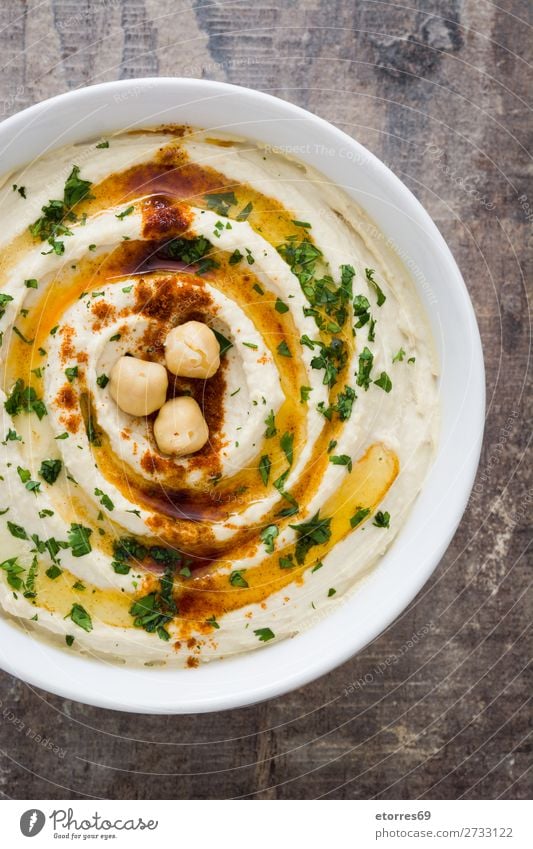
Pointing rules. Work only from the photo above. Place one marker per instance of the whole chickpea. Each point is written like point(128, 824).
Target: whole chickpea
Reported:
point(139, 387)
point(192, 350)
point(180, 427)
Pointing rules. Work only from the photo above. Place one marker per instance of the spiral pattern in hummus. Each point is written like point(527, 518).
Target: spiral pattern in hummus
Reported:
point(321, 416)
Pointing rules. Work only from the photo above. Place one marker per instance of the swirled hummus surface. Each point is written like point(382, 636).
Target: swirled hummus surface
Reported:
point(322, 415)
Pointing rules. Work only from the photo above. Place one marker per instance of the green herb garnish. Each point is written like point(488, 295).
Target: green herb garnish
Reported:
point(80, 617)
point(342, 460)
point(360, 514)
point(125, 212)
point(264, 468)
point(381, 298)
point(78, 538)
point(236, 579)
point(220, 202)
point(267, 536)
point(381, 520)
point(270, 422)
point(50, 470)
point(384, 382)
point(264, 634)
point(315, 531)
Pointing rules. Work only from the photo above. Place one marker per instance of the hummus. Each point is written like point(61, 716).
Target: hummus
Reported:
point(322, 417)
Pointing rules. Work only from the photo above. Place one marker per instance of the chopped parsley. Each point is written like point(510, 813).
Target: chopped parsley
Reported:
point(381, 297)
point(360, 514)
point(78, 538)
point(304, 393)
point(128, 548)
point(316, 531)
point(76, 190)
point(224, 343)
point(102, 380)
point(361, 309)
point(120, 568)
point(287, 562)
point(342, 460)
point(105, 500)
point(381, 520)
point(235, 257)
point(267, 536)
point(280, 306)
point(270, 422)
point(245, 212)
point(4, 299)
point(93, 435)
point(279, 484)
point(80, 617)
point(287, 446)
point(52, 222)
point(17, 531)
point(13, 572)
point(21, 336)
point(236, 579)
point(264, 468)
point(332, 359)
point(220, 202)
point(50, 470)
point(344, 403)
point(125, 212)
point(156, 609)
point(264, 634)
point(23, 399)
point(366, 358)
point(384, 382)
point(283, 349)
point(193, 251)
point(71, 373)
point(398, 358)
point(30, 579)
point(25, 477)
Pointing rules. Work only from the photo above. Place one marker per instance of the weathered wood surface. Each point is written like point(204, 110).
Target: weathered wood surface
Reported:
point(438, 90)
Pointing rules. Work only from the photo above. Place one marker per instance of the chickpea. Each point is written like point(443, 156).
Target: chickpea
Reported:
point(180, 427)
point(192, 350)
point(138, 386)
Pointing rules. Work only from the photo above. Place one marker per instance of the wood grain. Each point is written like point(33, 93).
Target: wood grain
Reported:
point(438, 90)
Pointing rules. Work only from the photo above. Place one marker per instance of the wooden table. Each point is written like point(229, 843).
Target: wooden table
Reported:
point(439, 94)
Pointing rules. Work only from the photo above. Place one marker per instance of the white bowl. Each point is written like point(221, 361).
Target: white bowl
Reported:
point(98, 110)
